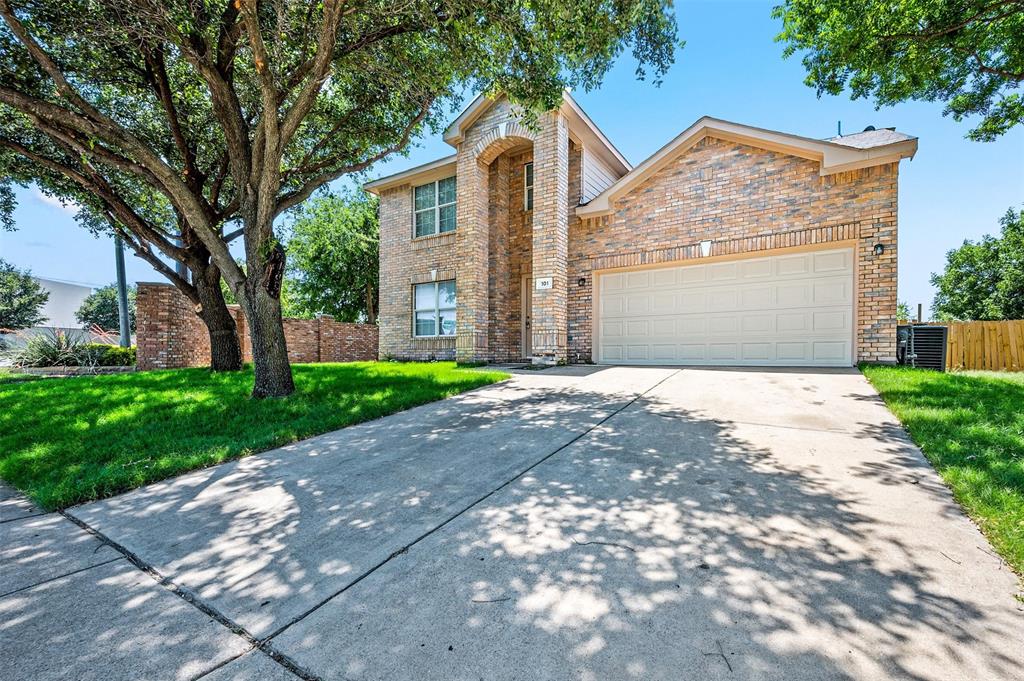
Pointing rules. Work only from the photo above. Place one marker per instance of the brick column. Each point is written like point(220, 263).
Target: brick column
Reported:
point(876, 290)
point(550, 239)
point(471, 268)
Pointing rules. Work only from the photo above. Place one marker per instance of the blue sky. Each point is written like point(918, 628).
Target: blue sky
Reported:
point(731, 68)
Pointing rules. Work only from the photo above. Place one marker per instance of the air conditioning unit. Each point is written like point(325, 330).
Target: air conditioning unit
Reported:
point(922, 345)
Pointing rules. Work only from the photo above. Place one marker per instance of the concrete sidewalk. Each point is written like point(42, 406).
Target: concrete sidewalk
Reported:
point(72, 607)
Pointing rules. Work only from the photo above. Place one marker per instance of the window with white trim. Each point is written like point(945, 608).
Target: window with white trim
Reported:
point(434, 207)
point(528, 186)
point(433, 309)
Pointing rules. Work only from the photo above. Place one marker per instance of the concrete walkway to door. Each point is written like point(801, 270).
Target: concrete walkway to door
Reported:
point(577, 523)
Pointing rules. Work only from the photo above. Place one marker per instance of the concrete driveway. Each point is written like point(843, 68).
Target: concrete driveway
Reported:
point(577, 523)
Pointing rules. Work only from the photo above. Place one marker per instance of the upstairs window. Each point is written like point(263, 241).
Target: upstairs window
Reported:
point(434, 309)
point(528, 186)
point(434, 207)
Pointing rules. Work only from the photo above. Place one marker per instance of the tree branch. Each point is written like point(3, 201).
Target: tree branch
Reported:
point(292, 199)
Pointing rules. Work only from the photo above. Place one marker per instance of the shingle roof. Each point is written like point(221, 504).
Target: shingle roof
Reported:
point(871, 138)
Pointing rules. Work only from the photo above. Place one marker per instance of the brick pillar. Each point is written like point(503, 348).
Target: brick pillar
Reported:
point(550, 239)
point(876, 290)
point(471, 268)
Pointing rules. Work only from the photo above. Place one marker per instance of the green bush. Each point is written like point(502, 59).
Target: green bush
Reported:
point(52, 348)
point(113, 355)
point(57, 347)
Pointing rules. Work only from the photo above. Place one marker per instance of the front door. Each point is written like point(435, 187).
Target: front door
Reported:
point(526, 314)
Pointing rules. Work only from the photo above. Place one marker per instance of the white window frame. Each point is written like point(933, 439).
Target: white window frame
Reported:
point(436, 208)
point(528, 181)
point(437, 309)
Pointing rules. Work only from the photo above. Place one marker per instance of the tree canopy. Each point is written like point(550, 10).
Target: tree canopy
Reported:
point(231, 112)
point(968, 54)
point(984, 279)
point(21, 298)
point(100, 308)
point(333, 257)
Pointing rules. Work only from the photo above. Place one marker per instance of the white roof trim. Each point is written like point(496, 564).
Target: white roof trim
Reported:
point(425, 173)
point(833, 157)
point(579, 123)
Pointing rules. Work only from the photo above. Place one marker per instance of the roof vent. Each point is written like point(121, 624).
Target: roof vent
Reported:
point(870, 128)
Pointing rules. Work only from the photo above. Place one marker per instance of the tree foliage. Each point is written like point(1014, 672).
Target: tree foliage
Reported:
point(21, 298)
point(232, 112)
point(100, 308)
point(968, 54)
point(984, 280)
point(333, 256)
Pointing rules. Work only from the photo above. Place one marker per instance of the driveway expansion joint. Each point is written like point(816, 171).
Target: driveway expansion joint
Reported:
point(189, 597)
point(405, 549)
point(62, 576)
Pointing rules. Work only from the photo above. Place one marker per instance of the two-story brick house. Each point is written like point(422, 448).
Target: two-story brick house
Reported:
point(731, 245)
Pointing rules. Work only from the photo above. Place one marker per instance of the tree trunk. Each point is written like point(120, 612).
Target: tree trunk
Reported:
point(273, 373)
point(371, 304)
point(225, 350)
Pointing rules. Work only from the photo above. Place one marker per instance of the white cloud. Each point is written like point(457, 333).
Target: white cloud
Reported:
point(69, 207)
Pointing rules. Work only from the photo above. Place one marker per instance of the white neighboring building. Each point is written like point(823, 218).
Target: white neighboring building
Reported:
point(65, 299)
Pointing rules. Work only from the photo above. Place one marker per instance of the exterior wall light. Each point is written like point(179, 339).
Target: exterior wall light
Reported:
point(582, 281)
point(879, 249)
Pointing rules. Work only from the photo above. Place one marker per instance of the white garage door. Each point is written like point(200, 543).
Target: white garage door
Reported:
point(785, 310)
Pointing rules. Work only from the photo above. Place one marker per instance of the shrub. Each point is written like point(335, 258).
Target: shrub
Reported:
point(52, 348)
point(114, 355)
point(57, 347)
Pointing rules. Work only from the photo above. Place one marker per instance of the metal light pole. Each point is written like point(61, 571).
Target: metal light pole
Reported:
point(122, 294)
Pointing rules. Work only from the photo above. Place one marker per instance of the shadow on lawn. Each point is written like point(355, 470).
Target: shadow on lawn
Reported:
point(655, 548)
point(84, 438)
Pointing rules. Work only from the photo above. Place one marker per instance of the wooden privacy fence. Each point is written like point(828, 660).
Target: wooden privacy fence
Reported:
point(994, 346)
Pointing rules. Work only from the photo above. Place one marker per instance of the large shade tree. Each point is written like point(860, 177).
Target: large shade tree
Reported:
point(984, 279)
point(130, 210)
point(235, 111)
point(333, 249)
point(21, 298)
point(968, 54)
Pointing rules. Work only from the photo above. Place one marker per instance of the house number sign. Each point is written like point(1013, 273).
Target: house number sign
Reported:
point(544, 283)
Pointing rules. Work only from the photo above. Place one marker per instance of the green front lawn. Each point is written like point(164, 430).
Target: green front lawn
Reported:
point(970, 425)
point(68, 440)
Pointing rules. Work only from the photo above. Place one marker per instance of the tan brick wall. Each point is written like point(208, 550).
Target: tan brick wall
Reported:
point(405, 261)
point(753, 200)
point(170, 335)
point(744, 198)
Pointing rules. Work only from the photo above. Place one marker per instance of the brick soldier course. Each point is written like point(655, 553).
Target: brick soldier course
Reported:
point(748, 191)
point(171, 336)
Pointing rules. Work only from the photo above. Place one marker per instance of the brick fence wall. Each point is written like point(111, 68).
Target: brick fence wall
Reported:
point(172, 336)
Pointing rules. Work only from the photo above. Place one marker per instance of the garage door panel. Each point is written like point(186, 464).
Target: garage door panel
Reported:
point(728, 271)
point(723, 299)
point(758, 323)
point(611, 329)
point(754, 352)
point(830, 351)
point(635, 280)
point(793, 295)
point(831, 292)
point(692, 302)
point(663, 303)
point(784, 310)
point(792, 264)
point(756, 298)
point(793, 322)
point(835, 261)
point(723, 325)
point(612, 305)
point(693, 275)
point(756, 269)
